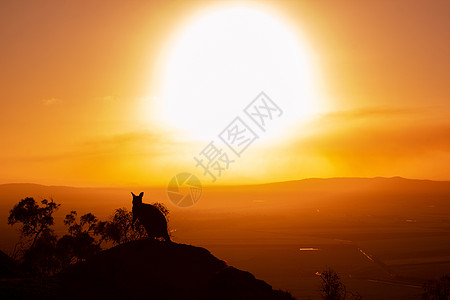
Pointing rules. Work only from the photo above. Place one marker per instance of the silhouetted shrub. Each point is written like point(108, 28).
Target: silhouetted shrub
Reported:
point(79, 244)
point(40, 260)
point(331, 286)
point(437, 289)
point(119, 229)
point(162, 208)
point(41, 254)
point(39, 251)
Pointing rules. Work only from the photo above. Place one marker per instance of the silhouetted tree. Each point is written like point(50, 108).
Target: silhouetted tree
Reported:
point(40, 260)
point(42, 254)
point(35, 219)
point(437, 289)
point(119, 229)
point(331, 286)
point(79, 244)
point(88, 222)
point(162, 208)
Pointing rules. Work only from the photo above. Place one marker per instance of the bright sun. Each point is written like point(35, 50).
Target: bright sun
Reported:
point(223, 58)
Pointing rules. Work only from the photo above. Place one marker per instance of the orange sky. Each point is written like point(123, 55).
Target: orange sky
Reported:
point(79, 81)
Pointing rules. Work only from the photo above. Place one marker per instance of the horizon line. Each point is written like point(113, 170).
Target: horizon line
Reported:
point(221, 185)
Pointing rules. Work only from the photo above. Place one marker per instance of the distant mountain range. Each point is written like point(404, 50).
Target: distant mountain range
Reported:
point(339, 196)
point(12, 192)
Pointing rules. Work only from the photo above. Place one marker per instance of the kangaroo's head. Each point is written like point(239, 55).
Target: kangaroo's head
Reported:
point(137, 199)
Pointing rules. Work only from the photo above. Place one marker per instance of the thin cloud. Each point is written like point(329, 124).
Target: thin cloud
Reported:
point(372, 142)
point(51, 101)
point(138, 143)
point(107, 98)
point(371, 112)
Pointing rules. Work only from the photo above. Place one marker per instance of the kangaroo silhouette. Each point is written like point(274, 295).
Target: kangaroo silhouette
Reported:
point(150, 217)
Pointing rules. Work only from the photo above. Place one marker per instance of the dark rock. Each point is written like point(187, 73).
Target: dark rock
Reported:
point(150, 269)
point(7, 266)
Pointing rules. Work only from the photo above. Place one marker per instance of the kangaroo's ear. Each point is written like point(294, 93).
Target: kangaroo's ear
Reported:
point(133, 194)
point(141, 194)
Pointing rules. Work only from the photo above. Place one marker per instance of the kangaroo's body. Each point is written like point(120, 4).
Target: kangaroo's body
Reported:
point(150, 217)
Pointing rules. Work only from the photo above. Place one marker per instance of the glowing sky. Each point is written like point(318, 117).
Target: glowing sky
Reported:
point(81, 83)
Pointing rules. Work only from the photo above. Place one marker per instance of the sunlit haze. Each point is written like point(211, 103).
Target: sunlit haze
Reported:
point(224, 57)
point(127, 94)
